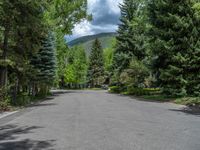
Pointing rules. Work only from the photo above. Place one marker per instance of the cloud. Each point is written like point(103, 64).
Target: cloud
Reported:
point(105, 18)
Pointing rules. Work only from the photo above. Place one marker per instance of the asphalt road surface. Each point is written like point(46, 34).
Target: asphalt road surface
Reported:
point(97, 120)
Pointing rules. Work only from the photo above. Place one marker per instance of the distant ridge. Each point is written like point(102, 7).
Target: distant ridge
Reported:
point(88, 38)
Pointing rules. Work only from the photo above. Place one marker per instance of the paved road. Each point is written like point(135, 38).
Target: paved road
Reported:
point(96, 120)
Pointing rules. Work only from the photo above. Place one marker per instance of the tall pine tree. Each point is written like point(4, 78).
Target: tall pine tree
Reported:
point(172, 43)
point(96, 65)
point(128, 36)
point(193, 65)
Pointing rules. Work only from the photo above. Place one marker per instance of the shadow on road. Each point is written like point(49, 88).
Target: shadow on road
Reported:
point(188, 110)
point(60, 92)
point(42, 104)
point(9, 135)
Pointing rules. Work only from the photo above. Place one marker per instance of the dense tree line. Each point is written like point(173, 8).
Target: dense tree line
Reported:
point(31, 34)
point(158, 46)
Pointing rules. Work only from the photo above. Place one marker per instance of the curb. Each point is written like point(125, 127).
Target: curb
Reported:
point(6, 114)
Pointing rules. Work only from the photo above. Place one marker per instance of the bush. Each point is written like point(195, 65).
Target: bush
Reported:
point(136, 91)
point(22, 100)
point(4, 100)
point(189, 101)
point(142, 91)
point(153, 91)
point(5, 105)
point(116, 89)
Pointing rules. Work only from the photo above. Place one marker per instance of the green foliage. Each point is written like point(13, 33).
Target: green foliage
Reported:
point(108, 55)
point(23, 99)
point(196, 8)
point(64, 14)
point(61, 55)
point(24, 26)
point(76, 69)
point(174, 42)
point(4, 100)
point(45, 61)
point(189, 101)
point(135, 74)
point(130, 39)
point(96, 65)
point(137, 91)
point(5, 106)
point(115, 89)
point(156, 98)
point(130, 61)
point(131, 90)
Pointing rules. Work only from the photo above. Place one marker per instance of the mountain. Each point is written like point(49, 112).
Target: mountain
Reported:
point(85, 39)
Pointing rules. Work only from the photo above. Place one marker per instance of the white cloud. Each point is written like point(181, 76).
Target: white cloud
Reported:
point(114, 5)
point(82, 28)
point(105, 17)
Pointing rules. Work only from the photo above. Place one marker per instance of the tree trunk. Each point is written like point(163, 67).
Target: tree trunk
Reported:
point(3, 68)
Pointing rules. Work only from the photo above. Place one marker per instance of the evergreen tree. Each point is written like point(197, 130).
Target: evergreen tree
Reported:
point(193, 65)
point(20, 26)
point(96, 65)
point(128, 42)
point(172, 42)
point(45, 63)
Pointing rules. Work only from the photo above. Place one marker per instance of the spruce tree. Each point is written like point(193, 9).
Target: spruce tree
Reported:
point(128, 36)
point(193, 65)
point(96, 65)
point(45, 63)
point(172, 38)
point(21, 24)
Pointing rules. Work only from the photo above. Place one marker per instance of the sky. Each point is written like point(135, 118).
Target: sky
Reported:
point(105, 15)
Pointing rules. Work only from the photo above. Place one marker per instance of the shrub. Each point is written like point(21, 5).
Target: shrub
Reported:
point(4, 100)
point(136, 91)
point(22, 100)
point(153, 91)
point(5, 105)
point(116, 89)
point(189, 101)
point(142, 91)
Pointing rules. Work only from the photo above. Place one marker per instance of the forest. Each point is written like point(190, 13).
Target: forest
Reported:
point(155, 54)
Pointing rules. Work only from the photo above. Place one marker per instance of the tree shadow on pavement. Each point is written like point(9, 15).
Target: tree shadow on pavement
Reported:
point(188, 110)
point(61, 92)
point(9, 135)
point(42, 105)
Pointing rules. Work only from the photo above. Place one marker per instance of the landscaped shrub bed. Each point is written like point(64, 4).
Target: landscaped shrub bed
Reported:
point(117, 89)
point(142, 91)
point(130, 90)
point(189, 101)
